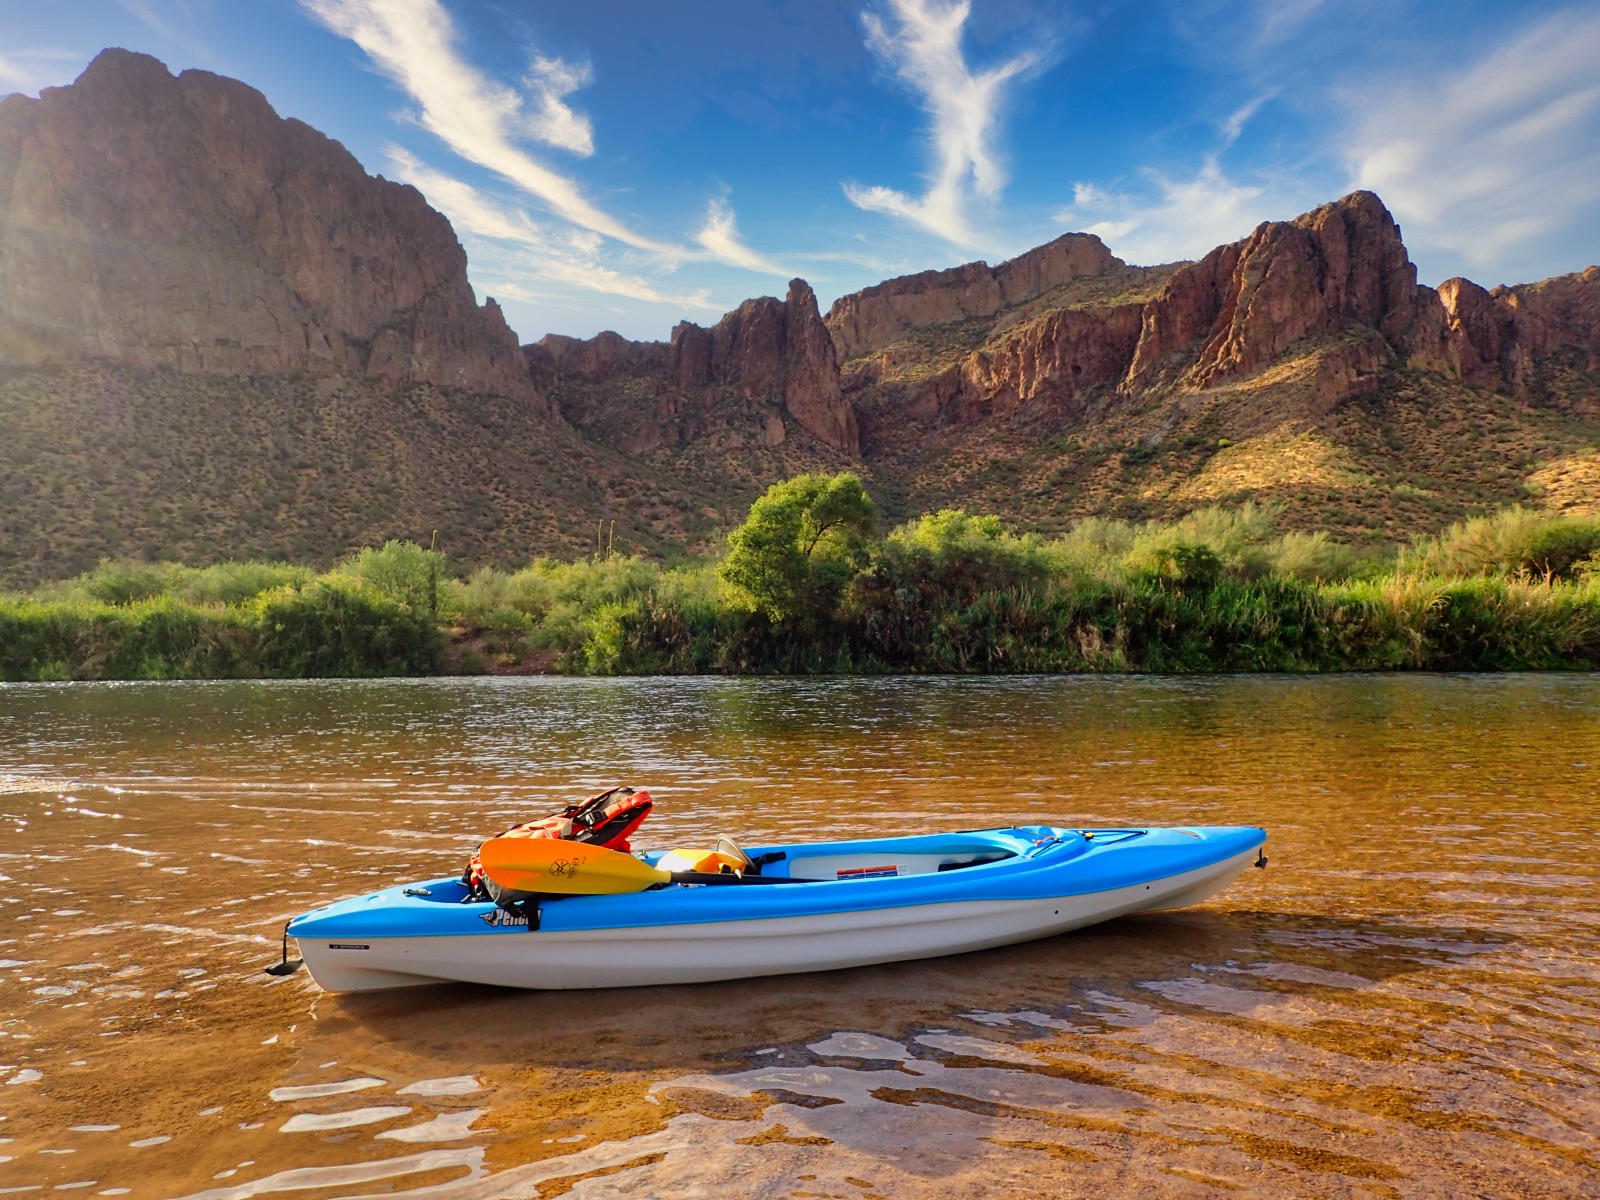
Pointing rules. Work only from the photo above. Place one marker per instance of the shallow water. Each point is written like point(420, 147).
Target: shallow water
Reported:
point(1405, 1003)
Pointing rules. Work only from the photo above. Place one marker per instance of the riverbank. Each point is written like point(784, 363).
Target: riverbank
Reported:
point(806, 588)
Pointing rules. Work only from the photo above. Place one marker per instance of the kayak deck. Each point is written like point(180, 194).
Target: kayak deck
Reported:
point(853, 903)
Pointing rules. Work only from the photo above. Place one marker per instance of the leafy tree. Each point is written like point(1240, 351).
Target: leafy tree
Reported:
point(798, 548)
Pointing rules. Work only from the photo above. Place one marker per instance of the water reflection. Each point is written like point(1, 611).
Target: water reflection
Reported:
point(1406, 1003)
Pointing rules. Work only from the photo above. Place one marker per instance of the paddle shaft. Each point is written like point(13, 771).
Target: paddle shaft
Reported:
point(729, 879)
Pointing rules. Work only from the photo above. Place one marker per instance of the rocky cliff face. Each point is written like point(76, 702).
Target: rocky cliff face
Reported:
point(878, 316)
point(179, 222)
point(1497, 338)
point(1337, 281)
point(1243, 305)
point(774, 355)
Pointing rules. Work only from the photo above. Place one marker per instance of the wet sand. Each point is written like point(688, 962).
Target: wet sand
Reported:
point(1405, 1003)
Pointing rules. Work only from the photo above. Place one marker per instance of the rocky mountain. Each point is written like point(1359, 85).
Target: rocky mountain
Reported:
point(178, 222)
point(766, 359)
point(219, 336)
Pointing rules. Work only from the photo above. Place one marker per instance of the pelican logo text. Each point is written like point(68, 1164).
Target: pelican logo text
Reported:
point(501, 919)
point(564, 868)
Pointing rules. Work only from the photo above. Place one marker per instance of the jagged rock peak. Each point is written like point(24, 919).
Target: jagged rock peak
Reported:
point(1247, 302)
point(178, 221)
point(774, 350)
point(886, 312)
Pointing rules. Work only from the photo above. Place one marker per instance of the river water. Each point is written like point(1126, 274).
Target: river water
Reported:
point(1405, 1003)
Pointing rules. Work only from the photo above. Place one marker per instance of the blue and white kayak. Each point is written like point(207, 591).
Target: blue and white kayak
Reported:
point(861, 902)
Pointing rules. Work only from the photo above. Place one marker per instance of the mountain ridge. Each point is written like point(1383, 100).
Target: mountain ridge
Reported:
point(283, 341)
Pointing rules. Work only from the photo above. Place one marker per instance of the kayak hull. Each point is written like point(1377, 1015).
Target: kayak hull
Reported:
point(798, 929)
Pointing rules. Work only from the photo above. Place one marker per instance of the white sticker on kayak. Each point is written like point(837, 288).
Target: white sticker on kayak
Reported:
point(499, 918)
point(868, 872)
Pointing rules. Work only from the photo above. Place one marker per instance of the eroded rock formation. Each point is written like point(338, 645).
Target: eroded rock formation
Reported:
point(1337, 281)
point(180, 222)
point(1244, 304)
point(1497, 337)
point(877, 316)
point(775, 354)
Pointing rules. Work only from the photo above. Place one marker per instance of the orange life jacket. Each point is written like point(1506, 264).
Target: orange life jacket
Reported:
point(606, 819)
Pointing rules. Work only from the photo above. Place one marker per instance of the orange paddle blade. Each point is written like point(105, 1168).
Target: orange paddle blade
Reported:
point(565, 868)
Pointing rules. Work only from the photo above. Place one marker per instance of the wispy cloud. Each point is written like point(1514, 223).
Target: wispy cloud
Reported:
point(519, 258)
point(1280, 20)
point(924, 48)
point(30, 70)
point(720, 236)
point(491, 124)
point(1184, 216)
point(551, 81)
point(414, 42)
point(1176, 218)
point(1489, 161)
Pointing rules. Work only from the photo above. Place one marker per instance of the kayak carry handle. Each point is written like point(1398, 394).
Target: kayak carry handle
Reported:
point(286, 966)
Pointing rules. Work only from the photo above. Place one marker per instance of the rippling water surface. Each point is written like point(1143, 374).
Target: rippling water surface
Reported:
point(1406, 1003)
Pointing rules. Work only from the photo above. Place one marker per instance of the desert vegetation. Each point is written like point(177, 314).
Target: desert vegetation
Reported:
point(808, 584)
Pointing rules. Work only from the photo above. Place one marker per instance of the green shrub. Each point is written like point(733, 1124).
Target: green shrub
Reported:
point(402, 572)
point(804, 588)
point(232, 582)
point(1558, 546)
point(126, 581)
point(334, 629)
point(1313, 558)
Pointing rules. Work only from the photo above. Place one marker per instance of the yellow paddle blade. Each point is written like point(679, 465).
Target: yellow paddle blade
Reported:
point(567, 868)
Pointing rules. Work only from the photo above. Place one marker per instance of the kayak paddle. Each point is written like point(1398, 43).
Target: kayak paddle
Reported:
point(561, 867)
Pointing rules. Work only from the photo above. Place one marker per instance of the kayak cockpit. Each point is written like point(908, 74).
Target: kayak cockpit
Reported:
point(900, 857)
point(882, 864)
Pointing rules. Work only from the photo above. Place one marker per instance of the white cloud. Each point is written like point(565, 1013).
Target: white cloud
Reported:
point(924, 48)
point(466, 207)
point(487, 123)
point(1185, 217)
point(1233, 125)
point(517, 258)
point(721, 237)
point(414, 43)
point(1179, 218)
point(1489, 162)
point(1281, 20)
point(551, 81)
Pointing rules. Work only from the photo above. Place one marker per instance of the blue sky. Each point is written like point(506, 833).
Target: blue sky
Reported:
point(627, 164)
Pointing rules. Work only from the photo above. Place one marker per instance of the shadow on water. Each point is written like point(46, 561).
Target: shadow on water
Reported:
point(1138, 961)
